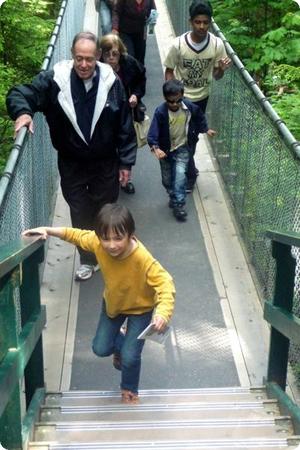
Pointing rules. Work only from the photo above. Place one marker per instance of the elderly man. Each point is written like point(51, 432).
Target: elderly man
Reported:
point(90, 126)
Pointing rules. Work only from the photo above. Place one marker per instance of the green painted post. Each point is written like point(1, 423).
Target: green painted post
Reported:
point(283, 297)
point(11, 421)
point(30, 304)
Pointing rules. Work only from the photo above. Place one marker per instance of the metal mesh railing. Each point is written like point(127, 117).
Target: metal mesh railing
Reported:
point(29, 183)
point(258, 157)
point(178, 11)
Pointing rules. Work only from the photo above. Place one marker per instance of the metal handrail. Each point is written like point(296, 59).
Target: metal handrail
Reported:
point(288, 137)
point(23, 132)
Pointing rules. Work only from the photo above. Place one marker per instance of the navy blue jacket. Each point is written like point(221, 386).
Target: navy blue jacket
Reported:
point(159, 133)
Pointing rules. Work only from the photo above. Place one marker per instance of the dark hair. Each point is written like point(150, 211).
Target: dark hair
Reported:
point(116, 218)
point(172, 87)
point(85, 35)
point(200, 7)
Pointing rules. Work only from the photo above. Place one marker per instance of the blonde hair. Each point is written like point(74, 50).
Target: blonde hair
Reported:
point(108, 41)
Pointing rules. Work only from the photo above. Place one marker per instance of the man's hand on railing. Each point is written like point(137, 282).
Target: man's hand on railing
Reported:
point(25, 120)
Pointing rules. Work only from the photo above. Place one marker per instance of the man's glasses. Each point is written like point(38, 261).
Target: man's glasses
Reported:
point(113, 53)
point(174, 102)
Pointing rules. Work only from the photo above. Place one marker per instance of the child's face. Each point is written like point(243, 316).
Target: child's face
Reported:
point(174, 101)
point(116, 245)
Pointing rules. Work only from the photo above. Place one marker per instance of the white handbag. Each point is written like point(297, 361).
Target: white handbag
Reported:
point(141, 130)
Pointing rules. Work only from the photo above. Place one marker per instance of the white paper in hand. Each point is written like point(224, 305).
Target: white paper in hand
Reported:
point(153, 335)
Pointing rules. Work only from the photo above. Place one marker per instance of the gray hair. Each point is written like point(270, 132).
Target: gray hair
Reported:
point(85, 35)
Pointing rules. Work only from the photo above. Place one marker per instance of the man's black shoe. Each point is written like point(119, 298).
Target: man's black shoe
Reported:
point(180, 213)
point(171, 204)
point(128, 188)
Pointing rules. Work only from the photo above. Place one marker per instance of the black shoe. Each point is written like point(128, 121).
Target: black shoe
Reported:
point(128, 188)
point(180, 213)
point(171, 204)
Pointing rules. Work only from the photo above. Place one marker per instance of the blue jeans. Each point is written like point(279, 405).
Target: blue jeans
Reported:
point(105, 17)
point(109, 340)
point(173, 174)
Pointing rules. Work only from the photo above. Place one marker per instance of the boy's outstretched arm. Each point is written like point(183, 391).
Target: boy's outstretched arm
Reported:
point(44, 232)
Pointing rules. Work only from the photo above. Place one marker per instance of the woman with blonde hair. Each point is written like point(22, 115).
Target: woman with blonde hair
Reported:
point(131, 72)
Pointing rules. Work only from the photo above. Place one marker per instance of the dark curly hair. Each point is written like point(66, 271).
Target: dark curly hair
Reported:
point(200, 7)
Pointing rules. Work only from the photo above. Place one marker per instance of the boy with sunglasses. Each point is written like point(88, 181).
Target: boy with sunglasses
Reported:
point(172, 137)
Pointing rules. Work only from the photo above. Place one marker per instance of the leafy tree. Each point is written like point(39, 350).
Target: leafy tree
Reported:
point(266, 36)
point(25, 30)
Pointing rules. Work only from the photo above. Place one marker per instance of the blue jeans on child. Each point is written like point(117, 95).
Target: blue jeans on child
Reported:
point(173, 174)
point(105, 17)
point(109, 340)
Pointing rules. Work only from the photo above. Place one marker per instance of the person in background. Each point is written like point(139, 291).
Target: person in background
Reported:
point(104, 7)
point(195, 58)
point(91, 128)
point(131, 72)
point(137, 288)
point(172, 136)
point(129, 20)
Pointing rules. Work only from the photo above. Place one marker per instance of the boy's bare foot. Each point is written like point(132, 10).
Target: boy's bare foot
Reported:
point(129, 397)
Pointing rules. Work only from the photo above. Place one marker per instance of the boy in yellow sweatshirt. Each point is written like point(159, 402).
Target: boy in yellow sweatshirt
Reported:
point(136, 288)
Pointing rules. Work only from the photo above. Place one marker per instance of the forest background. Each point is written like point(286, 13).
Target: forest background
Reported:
point(265, 34)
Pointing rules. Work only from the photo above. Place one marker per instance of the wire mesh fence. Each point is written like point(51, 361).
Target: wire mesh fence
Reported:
point(29, 183)
point(259, 161)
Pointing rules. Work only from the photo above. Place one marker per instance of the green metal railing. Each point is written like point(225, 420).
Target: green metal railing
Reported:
point(29, 182)
point(22, 320)
point(285, 326)
point(27, 197)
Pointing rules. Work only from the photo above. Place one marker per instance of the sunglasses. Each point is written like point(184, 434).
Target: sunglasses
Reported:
point(112, 53)
point(174, 102)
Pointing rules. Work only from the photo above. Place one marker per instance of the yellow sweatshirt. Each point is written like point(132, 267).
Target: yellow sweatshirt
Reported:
point(133, 285)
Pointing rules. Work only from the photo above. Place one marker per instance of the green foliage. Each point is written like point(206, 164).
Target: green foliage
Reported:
point(266, 36)
point(288, 108)
point(25, 30)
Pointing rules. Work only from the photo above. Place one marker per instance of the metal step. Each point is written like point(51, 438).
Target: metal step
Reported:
point(158, 396)
point(153, 431)
point(213, 444)
point(189, 411)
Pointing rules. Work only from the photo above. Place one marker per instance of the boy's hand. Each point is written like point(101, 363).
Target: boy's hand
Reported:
point(159, 153)
point(124, 176)
point(40, 231)
point(224, 63)
point(211, 132)
point(159, 323)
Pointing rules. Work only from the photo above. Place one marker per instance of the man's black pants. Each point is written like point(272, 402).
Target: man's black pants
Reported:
point(86, 187)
